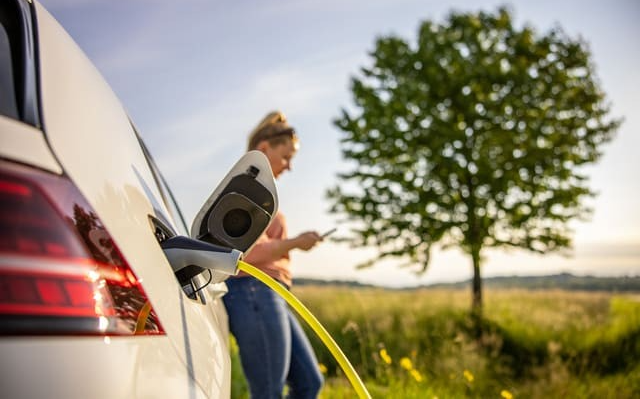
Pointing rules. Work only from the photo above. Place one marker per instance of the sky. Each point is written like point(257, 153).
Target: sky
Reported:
point(195, 76)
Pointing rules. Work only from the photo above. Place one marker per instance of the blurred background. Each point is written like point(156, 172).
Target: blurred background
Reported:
point(197, 75)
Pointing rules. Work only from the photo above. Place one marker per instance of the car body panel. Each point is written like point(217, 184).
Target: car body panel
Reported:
point(123, 371)
point(25, 143)
point(89, 138)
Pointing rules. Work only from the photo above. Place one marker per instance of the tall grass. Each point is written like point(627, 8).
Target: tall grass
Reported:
point(535, 344)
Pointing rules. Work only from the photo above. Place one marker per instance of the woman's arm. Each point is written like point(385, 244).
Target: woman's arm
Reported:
point(269, 249)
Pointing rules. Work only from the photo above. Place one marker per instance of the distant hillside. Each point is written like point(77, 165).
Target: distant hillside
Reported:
point(337, 283)
point(564, 281)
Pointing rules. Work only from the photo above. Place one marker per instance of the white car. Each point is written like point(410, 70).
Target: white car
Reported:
point(101, 288)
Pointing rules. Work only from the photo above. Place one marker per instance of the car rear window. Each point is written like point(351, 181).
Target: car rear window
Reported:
point(8, 103)
point(18, 85)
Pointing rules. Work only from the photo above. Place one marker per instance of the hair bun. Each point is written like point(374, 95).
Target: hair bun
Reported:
point(272, 118)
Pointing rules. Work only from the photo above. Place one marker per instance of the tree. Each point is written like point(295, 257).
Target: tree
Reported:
point(473, 136)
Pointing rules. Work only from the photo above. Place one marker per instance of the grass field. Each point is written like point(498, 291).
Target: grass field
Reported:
point(422, 344)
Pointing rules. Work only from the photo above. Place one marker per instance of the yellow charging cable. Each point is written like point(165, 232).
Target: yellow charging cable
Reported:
point(313, 322)
point(141, 321)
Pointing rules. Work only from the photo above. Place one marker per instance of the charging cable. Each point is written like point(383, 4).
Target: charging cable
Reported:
point(335, 350)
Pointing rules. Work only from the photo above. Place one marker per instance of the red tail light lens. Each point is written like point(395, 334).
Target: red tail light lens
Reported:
point(60, 271)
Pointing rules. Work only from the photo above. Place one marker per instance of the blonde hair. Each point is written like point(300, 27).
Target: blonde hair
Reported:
point(273, 128)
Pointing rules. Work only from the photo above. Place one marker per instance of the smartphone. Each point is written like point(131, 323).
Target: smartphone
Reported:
point(328, 232)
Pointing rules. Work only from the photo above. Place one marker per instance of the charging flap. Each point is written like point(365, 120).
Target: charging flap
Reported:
point(242, 206)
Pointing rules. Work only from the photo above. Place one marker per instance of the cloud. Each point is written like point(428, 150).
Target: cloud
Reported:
point(300, 90)
point(76, 3)
point(68, 3)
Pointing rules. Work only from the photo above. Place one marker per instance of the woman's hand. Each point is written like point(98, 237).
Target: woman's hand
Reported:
point(307, 240)
point(267, 250)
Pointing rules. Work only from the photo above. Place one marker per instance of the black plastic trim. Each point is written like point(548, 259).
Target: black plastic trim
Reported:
point(22, 38)
point(181, 242)
point(31, 100)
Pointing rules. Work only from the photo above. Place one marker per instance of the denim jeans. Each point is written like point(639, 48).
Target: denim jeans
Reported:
point(274, 349)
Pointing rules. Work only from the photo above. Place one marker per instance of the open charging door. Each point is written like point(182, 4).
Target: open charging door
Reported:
point(242, 206)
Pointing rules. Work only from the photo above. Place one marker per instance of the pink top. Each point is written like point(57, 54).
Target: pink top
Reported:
point(261, 257)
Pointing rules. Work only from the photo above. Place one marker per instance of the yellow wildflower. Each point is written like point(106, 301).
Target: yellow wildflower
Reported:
point(467, 374)
point(385, 356)
point(323, 368)
point(506, 394)
point(406, 364)
point(416, 375)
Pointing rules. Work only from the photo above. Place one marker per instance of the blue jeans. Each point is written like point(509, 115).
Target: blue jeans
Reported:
point(274, 349)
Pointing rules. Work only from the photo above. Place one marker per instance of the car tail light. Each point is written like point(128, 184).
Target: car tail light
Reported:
point(60, 270)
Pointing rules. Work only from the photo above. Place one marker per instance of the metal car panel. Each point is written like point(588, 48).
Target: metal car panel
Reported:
point(25, 143)
point(89, 367)
point(91, 136)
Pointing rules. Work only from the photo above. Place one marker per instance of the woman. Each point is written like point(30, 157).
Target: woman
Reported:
point(274, 350)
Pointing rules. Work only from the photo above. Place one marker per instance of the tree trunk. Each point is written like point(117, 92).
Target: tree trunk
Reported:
point(476, 290)
point(477, 284)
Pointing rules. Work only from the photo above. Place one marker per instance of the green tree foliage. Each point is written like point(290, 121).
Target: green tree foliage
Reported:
point(473, 136)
